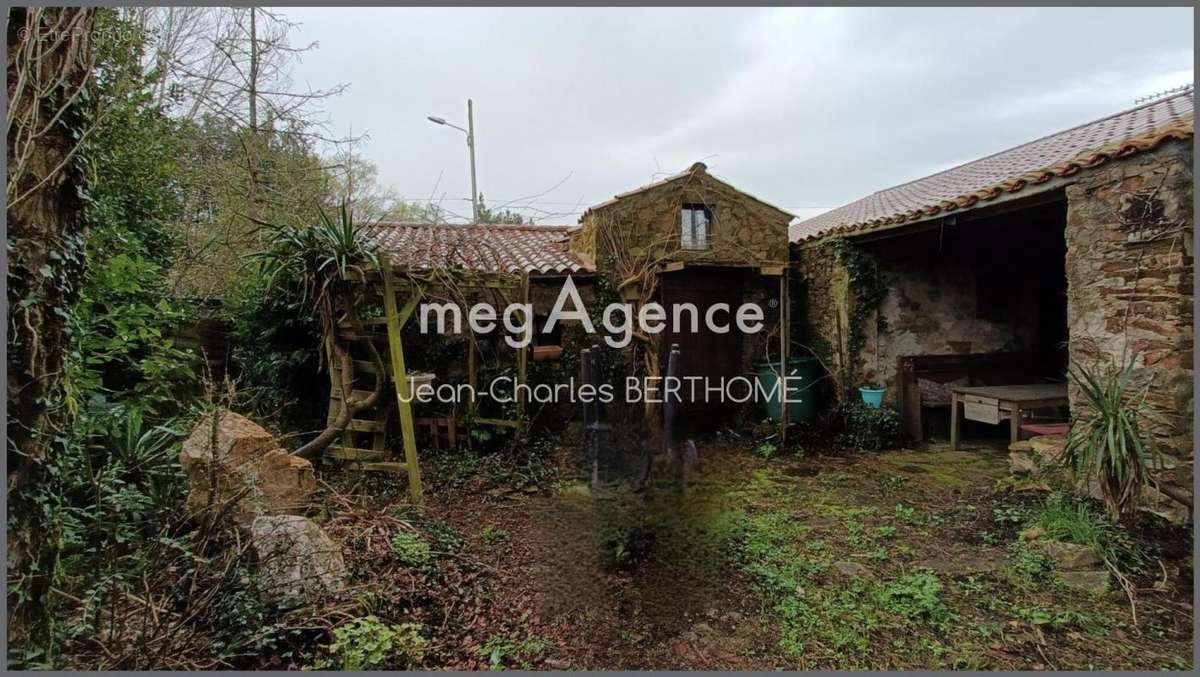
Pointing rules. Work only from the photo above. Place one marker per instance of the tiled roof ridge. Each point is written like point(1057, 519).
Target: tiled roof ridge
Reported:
point(1177, 125)
point(500, 226)
point(1126, 111)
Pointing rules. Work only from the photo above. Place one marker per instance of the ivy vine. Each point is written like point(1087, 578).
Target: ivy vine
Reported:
point(868, 287)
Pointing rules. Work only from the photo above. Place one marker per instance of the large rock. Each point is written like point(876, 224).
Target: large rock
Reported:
point(298, 563)
point(1022, 463)
point(1070, 556)
point(1094, 582)
point(1156, 502)
point(251, 475)
point(1048, 448)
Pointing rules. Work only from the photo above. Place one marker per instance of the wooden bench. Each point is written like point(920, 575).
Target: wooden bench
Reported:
point(977, 368)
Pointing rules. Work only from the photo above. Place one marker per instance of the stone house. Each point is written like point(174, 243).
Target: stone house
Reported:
point(693, 238)
point(687, 238)
point(1074, 248)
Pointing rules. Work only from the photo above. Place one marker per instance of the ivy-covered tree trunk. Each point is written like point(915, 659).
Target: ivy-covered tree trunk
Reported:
point(49, 63)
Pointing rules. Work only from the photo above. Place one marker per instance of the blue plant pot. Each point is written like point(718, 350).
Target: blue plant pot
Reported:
point(872, 397)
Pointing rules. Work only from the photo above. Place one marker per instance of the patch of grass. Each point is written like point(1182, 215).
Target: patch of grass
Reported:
point(411, 549)
point(1066, 519)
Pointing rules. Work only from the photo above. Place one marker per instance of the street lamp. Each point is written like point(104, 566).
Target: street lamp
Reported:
point(470, 132)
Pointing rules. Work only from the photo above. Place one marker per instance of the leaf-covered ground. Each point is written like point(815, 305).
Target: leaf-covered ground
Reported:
point(893, 560)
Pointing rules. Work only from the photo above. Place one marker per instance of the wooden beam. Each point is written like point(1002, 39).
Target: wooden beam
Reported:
point(395, 321)
point(784, 344)
point(353, 454)
point(384, 467)
point(771, 270)
point(523, 351)
point(505, 423)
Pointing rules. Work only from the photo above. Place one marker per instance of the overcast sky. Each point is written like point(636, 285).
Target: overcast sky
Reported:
point(805, 108)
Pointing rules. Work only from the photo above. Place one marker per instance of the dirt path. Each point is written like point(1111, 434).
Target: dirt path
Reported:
point(662, 612)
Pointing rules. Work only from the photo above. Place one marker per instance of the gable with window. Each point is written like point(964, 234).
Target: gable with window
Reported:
point(695, 220)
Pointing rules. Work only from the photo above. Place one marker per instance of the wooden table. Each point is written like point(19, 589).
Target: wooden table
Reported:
point(992, 404)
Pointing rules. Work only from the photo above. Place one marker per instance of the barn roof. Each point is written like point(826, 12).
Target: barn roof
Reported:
point(485, 247)
point(976, 183)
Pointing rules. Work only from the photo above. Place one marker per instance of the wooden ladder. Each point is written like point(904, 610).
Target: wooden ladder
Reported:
point(364, 441)
point(374, 454)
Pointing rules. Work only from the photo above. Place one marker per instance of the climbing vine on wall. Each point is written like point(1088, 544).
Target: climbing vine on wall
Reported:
point(868, 287)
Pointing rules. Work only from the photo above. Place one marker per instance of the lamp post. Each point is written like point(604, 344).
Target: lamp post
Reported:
point(470, 132)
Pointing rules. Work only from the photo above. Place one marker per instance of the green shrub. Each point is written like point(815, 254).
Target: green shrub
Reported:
point(368, 643)
point(411, 549)
point(871, 428)
point(767, 450)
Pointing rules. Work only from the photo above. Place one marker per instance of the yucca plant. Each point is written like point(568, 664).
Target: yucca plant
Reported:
point(320, 256)
point(1107, 443)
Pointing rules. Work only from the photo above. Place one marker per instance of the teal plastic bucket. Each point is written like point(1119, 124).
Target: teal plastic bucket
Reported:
point(873, 397)
point(802, 376)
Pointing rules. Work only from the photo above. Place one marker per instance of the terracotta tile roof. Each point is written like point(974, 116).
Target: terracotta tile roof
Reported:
point(975, 183)
point(492, 248)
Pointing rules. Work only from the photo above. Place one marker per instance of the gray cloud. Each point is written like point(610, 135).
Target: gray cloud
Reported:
point(807, 108)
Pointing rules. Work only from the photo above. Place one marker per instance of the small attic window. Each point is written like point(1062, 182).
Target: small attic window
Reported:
point(694, 226)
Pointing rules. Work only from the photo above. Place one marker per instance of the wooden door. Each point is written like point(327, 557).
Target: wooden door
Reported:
point(704, 352)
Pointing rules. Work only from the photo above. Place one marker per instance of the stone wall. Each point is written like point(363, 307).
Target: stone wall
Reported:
point(820, 316)
point(743, 230)
point(1130, 272)
point(933, 310)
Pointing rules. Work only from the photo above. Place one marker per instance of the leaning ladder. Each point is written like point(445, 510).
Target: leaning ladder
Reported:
point(377, 457)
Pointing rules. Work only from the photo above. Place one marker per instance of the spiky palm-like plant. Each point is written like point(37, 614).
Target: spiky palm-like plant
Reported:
point(321, 256)
point(1107, 442)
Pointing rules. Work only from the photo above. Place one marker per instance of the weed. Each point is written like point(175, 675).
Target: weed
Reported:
point(368, 643)
point(917, 596)
point(767, 450)
point(906, 514)
point(492, 534)
point(500, 650)
point(885, 531)
point(1029, 565)
point(411, 549)
point(1010, 515)
point(880, 555)
point(1065, 619)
